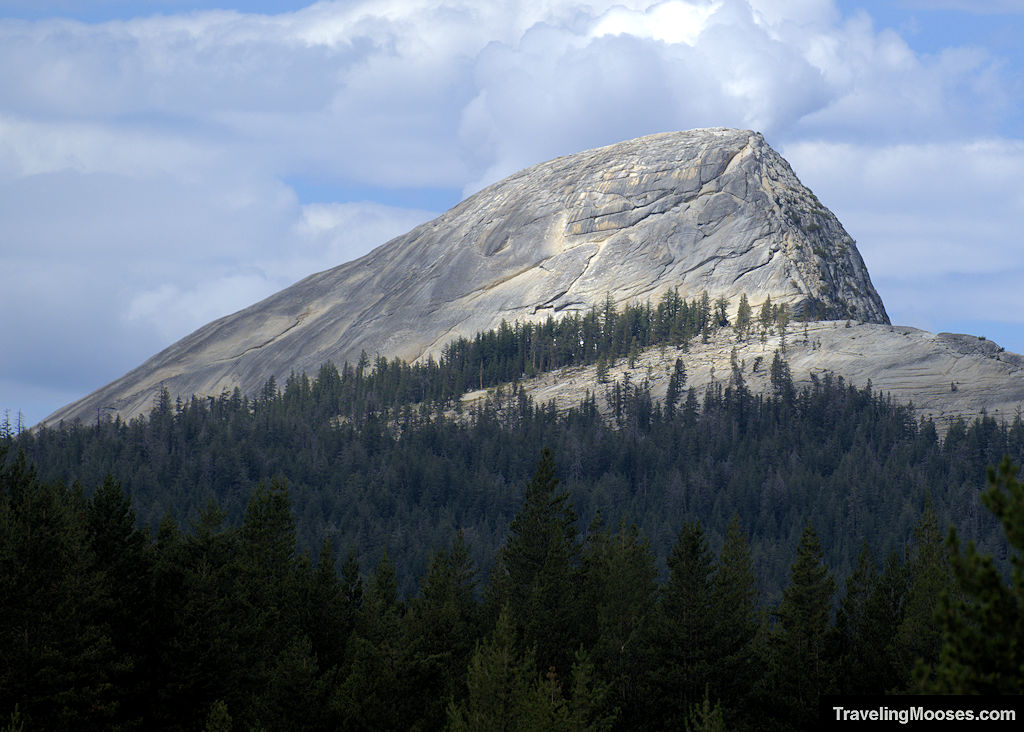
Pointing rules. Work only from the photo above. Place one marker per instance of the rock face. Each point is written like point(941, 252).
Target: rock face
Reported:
point(713, 210)
point(944, 376)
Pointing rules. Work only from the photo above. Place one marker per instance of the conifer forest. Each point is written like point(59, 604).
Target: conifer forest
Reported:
point(354, 549)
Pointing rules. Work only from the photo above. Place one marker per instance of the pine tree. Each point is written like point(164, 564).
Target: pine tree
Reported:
point(539, 564)
point(325, 616)
point(122, 554)
point(678, 639)
point(704, 316)
point(721, 313)
point(292, 697)
point(676, 385)
point(618, 594)
point(498, 681)
point(800, 669)
point(205, 632)
point(372, 695)
point(351, 587)
point(57, 658)
point(856, 645)
point(218, 720)
point(929, 578)
point(735, 622)
point(766, 317)
point(781, 379)
point(440, 630)
point(983, 628)
point(782, 318)
point(588, 706)
point(743, 316)
point(268, 586)
point(704, 717)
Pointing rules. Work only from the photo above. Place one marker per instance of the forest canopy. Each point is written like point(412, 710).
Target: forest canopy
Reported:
point(355, 549)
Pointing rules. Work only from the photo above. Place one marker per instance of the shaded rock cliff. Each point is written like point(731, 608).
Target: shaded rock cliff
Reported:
point(713, 210)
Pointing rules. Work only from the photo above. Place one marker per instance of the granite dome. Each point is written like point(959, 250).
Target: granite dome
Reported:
point(712, 210)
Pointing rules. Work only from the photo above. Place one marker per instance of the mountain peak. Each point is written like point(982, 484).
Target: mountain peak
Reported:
point(711, 210)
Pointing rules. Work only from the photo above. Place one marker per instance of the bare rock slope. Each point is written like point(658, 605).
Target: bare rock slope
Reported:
point(944, 376)
point(713, 210)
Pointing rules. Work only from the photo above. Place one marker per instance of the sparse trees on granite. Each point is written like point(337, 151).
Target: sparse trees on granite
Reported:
point(766, 317)
point(676, 385)
point(743, 317)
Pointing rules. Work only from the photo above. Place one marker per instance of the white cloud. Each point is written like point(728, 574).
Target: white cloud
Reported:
point(670, 22)
point(412, 93)
point(31, 147)
point(937, 223)
point(340, 232)
point(323, 236)
point(560, 89)
point(142, 162)
point(173, 311)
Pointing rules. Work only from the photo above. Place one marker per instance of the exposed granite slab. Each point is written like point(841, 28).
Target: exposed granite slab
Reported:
point(944, 376)
point(713, 210)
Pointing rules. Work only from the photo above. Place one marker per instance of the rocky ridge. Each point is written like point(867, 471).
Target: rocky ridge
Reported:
point(714, 211)
point(945, 376)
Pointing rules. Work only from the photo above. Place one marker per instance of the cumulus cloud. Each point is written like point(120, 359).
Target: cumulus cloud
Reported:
point(144, 163)
point(322, 236)
point(411, 93)
point(631, 71)
point(930, 219)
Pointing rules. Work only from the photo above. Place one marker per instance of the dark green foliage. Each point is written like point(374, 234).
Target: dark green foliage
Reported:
point(861, 644)
point(721, 313)
point(766, 316)
point(735, 624)
point(536, 575)
point(236, 629)
point(983, 625)
point(122, 553)
point(59, 662)
point(326, 616)
point(679, 635)
point(885, 623)
point(372, 695)
point(929, 577)
point(781, 379)
point(617, 595)
point(589, 703)
point(243, 621)
point(510, 352)
point(704, 717)
point(782, 318)
point(701, 651)
point(499, 683)
point(827, 453)
point(800, 668)
point(505, 692)
point(205, 624)
point(744, 314)
point(218, 720)
point(438, 633)
point(676, 385)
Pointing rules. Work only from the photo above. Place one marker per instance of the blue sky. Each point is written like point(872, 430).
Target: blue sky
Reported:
point(165, 163)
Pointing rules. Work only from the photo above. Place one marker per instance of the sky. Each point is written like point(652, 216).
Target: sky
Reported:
point(167, 162)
